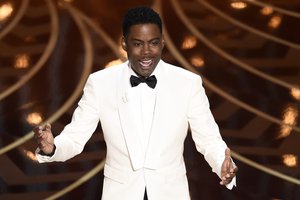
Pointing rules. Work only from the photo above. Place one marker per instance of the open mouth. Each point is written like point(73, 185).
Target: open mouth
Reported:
point(146, 63)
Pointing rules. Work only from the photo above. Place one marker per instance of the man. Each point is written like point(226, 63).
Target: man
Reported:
point(145, 107)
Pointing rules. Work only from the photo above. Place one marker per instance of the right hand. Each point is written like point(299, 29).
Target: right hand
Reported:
point(44, 138)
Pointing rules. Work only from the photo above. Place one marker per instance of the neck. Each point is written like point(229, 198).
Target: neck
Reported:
point(140, 76)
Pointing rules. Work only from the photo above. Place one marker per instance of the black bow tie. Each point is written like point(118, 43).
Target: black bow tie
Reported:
point(150, 81)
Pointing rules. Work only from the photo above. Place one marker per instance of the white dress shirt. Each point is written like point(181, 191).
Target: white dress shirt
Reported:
point(146, 97)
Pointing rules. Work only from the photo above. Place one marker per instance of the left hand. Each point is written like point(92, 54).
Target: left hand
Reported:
point(228, 170)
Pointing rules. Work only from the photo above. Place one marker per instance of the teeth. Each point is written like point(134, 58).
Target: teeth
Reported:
point(146, 63)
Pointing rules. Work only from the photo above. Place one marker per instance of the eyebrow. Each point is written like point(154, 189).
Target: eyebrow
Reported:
point(135, 39)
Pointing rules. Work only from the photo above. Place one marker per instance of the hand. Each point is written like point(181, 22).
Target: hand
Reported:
point(228, 170)
point(44, 138)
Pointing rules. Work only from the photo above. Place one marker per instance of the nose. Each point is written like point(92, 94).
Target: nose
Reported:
point(146, 49)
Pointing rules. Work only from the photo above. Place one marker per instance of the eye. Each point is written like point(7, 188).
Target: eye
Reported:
point(137, 44)
point(155, 42)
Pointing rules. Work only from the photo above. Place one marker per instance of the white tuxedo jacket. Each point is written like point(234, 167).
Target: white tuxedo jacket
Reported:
point(180, 102)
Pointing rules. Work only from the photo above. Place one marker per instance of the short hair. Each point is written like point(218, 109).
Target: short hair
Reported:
point(140, 15)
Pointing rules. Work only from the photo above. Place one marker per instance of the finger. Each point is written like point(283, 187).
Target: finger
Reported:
point(230, 176)
point(38, 135)
point(227, 179)
point(234, 169)
point(48, 127)
point(225, 182)
point(41, 145)
point(41, 138)
point(44, 144)
point(43, 135)
point(37, 129)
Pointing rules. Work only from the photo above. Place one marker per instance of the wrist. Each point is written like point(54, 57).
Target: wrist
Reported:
point(48, 154)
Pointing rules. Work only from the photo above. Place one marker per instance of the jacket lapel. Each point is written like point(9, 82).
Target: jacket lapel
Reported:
point(130, 120)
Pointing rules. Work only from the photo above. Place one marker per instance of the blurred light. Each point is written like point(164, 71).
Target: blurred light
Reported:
point(29, 39)
point(62, 2)
point(290, 116)
point(30, 155)
point(189, 42)
point(295, 92)
point(239, 5)
point(34, 118)
point(275, 21)
point(285, 131)
point(22, 61)
point(266, 10)
point(290, 160)
point(6, 10)
point(197, 61)
point(113, 62)
point(222, 37)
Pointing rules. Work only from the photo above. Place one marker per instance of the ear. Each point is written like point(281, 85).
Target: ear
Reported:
point(163, 42)
point(123, 43)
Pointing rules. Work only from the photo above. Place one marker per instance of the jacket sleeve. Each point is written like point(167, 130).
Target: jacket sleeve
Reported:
point(72, 139)
point(205, 131)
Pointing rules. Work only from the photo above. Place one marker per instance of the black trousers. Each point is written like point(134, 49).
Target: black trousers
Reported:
point(145, 196)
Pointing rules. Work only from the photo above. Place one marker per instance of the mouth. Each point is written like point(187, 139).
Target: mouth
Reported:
point(146, 63)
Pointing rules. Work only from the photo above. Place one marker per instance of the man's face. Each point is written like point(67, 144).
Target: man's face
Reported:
point(144, 45)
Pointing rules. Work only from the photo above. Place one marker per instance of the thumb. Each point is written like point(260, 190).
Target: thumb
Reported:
point(227, 153)
point(48, 127)
point(227, 160)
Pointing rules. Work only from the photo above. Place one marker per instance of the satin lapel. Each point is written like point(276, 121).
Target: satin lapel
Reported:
point(130, 122)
